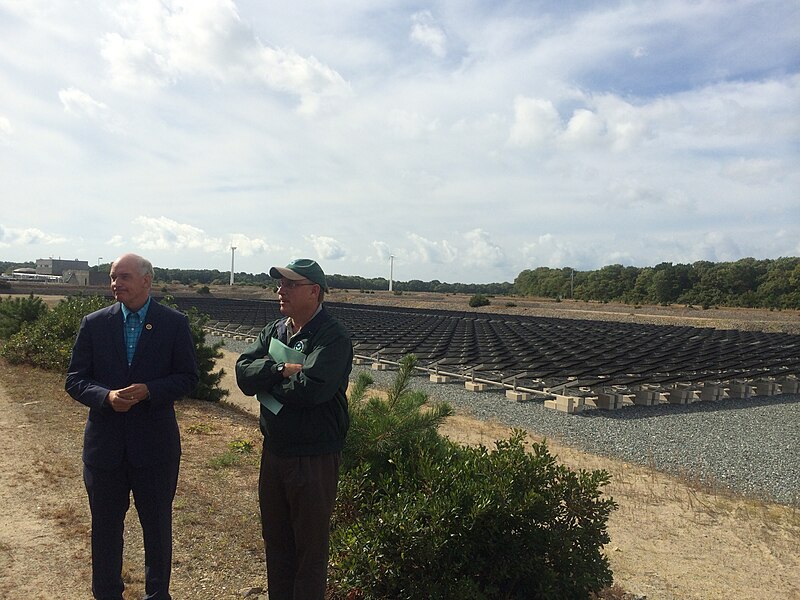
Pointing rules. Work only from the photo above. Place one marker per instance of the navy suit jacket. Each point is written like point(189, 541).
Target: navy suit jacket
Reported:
point(164, 360)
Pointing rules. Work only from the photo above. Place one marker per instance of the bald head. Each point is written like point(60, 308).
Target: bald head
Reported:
point(139, 263)
point(131, 279)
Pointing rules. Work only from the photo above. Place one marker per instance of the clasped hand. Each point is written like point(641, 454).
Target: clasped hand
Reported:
point(290, 369)
point(122, 400)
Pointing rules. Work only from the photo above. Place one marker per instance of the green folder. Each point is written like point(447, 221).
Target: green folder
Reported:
point(280, 353)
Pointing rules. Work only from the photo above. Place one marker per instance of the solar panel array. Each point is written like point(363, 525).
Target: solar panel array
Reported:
point(538, 352)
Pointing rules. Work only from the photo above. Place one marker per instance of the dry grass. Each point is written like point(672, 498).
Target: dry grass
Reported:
point(217, 542)
point(667, 536)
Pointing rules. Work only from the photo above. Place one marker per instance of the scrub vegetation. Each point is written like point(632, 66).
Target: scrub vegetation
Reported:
point(43, 337)
point(420, 516)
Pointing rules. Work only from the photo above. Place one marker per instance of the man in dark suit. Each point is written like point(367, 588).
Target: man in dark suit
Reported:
point(130, 362)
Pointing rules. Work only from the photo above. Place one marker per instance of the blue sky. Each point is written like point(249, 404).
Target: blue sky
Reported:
point(470, 140)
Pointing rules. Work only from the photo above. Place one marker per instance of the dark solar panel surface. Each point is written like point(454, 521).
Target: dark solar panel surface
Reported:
point(535, 349)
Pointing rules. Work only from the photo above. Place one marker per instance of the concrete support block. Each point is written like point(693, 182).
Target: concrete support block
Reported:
point(435, 378)
point(360, 361)
point(683, 396)
point(518, 396)
point(741, 390)
point(611, 401)
point(567, 404)
point(647, 397)
point(768, 388)
point(379, 366)
point(713, 393)
point(474, 386)
point(790, 385)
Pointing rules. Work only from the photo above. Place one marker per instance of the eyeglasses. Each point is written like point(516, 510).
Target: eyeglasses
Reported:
point(290, 285)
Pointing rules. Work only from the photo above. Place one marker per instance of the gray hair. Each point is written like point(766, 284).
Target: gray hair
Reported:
point(144, 266)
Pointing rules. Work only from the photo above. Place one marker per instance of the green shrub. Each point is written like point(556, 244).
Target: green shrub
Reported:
point(17, 311)
point(425, 518)
point(208, 387)
point(381, 427)
point(478, 300)
point(204, 290)
point(47, 342)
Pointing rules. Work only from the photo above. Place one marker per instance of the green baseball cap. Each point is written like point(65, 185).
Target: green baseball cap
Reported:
point(301, 268)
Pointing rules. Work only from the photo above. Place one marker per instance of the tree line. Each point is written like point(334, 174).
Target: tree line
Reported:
point(769, 283)
point(744, 283)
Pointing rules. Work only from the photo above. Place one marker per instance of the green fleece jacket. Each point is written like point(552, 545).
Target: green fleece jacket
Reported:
point(314, 418)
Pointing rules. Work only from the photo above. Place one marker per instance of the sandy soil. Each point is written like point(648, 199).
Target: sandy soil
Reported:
point(670, 539)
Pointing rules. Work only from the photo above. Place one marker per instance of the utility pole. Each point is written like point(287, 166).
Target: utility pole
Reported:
point(391, 270)
point(233, 251)
point(571, 282)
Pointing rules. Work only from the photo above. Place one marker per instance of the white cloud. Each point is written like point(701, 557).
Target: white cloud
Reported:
point(428, 251)
point(382, 251)
point(481, 252)
point(536, 122)
point(162, 233)
point(615, 129)
point(132, 64)
point(164, 42)
point(585, 127)
point(6, 130)
point(82, 105)
point(29, 236)
point(165, 234)
point(246, 246)
point(549, 250)
point(327, 248)
point(633, 194)
point(428, 34)
point(754, 171)
point(410, 125)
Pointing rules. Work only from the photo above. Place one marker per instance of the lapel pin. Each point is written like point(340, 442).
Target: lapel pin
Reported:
point(148, 326)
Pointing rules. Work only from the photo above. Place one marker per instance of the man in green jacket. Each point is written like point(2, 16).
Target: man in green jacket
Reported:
point(299, 369)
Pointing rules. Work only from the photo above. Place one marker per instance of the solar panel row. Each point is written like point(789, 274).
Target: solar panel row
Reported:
point(598, 354)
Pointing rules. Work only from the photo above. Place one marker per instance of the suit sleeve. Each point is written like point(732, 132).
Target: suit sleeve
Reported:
point(182, 375)
point(80, 383)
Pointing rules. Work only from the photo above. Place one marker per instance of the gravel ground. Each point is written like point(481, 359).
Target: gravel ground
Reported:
point(751, 446)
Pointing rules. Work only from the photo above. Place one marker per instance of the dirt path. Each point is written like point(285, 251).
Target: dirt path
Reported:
point(669, 541)
point(37, 559)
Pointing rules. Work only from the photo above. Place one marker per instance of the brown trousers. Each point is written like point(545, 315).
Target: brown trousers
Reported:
point(297, 495)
